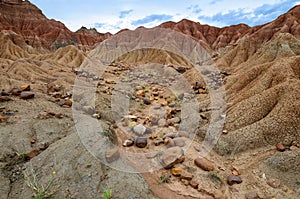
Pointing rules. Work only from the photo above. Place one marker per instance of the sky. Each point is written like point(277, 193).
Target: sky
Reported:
point(114, 15)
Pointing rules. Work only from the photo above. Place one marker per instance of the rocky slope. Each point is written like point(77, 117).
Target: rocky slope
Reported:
point(25, 19)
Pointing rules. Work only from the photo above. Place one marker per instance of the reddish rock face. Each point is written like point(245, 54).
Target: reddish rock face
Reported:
point(26, 19)
point(33, 28)
point(221, 37)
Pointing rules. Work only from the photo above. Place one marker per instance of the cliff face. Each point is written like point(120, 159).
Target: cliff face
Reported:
point(221, 37)
point(23, 18)
point(28, 21)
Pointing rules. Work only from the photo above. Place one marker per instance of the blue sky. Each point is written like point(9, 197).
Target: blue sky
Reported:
point(111, 16)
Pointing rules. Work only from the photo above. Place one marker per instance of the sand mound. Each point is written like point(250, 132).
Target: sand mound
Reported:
point(263, 97)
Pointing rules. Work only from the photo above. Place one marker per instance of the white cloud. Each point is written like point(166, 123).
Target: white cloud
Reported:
point(119, 14)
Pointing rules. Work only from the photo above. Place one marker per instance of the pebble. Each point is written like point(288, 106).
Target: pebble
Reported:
point(129, 142)
point(88, 109)
point(179, 141)
point(231, 180)
point(280, 147)
point(251, 195)
point(43, 146)
point(172, 156)
point(186, 175)
point(68, 103)
point(147, 100)
point(194, 184)
point(185, 182)
point(139, 129)
point(174, 120)
point(169, 142)
point(170, 135)
point(96, 115)
point(25, 87)
point(15, 91)
point(158, 141)
point(172, 104)
point(112, 155)
point(5, 98)
point(225, 132)
point(204, 164)
point(140, 93)
point(26, 95)
point(32, 154)
point(4, 93)
point(177, 171)
point(293, 148)
point(141, 142)
point(3, 119)
point(162, 122)
point(275, 183)
point(218, 194)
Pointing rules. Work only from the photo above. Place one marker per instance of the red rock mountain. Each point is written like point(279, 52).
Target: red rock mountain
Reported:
point(33, 28)
point(222, 37)
point(24, 18)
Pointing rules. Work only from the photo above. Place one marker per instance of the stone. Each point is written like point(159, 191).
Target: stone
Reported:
point(3, 119)
point(25, 87)
point(96, 115)
point(172, 156)
point(280, 147)
point(15, 91)
point(56, 94)
point(225, 132)
point(251, 195)
point(141, 142)
point(293, 148)
point(4, 93)
point(27, 95)
point(130, 117)
point(231, 180)
point(174, 120)
point(218, 194)
point(183, 134)
point(68, 102)
point(169, 143)
point(177, 171)
point(32, 154)
point(275, 183)
point(162, 122)
point(179, 141)
point(139, 129)
point(88, 109)
point(170, 135)
point(158, 141)
point(204, 164)
point(112, 155)
point(147, 100)
point(140, 93)
point(5, 98)
point(185, 182)
point(194, 184)
point(43, 146)
point(186, 175)
point(129, 142)
point(172, 104)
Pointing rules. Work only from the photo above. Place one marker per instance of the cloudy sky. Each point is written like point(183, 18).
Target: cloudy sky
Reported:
point(113, 15)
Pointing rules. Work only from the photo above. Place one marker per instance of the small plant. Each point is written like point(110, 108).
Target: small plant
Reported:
point(104, 134)
point(215, 176)
point(41, 192)
point(107, 194)
point(22, 155)
point(165, 178)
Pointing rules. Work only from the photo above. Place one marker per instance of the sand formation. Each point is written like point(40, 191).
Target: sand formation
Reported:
point(257, 155)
